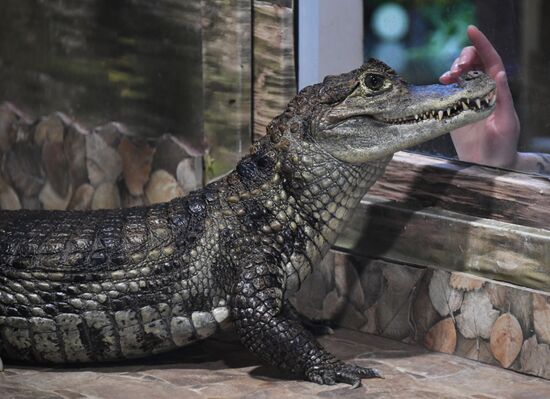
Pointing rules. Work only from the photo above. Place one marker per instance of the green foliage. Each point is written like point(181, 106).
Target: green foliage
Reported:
point(418, 3)
point(447, 21)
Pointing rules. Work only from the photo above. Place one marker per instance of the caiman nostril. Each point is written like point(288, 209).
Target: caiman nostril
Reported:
point(472, 75)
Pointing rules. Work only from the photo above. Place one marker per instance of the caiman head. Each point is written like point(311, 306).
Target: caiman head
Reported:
point(370, 113)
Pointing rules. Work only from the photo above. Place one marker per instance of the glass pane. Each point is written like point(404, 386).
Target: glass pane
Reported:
point(227, 77)
point(421, 39)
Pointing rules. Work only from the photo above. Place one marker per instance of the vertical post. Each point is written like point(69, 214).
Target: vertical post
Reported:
point(226, 54)
point(308, 43)
point(330, 38)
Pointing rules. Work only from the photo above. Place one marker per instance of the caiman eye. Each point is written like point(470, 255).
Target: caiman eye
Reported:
point(374, 82)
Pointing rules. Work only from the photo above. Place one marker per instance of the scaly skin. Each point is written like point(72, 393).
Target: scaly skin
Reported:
point(118, 284)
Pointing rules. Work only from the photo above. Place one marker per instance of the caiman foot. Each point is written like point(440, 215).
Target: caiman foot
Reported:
point(270, 327)
point(1, 365)
point(332, 373)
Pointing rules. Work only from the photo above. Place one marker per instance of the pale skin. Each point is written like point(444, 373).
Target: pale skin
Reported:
point(492, 141)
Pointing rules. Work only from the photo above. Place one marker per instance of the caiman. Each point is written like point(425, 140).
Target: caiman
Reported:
point(95, 286)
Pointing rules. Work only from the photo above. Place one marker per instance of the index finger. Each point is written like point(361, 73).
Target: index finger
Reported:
point(489, 56)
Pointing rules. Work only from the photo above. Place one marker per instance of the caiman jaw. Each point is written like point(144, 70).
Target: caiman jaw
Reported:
point(382, 114)
point(464, 104)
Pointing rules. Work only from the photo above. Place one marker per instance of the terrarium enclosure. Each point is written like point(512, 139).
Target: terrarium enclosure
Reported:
point(108, 104)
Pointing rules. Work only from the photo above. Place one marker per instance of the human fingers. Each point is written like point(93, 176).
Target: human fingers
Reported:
point(466, 61)
point(488, 55)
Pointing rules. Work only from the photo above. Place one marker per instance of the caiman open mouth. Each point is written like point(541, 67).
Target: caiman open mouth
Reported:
point(464, 104)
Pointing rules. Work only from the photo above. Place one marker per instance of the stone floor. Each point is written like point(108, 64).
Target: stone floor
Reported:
point(221, 368)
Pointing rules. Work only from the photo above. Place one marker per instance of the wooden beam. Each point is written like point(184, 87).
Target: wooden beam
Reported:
point(419, 181)
point(274, 80)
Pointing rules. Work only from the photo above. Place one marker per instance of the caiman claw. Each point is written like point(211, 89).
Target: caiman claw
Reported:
point(332, 373)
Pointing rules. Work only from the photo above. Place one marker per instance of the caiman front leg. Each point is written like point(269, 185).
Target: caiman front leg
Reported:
point(268, 327)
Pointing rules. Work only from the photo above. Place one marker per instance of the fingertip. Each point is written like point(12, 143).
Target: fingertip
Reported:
point(446, 78)
point(471, 31)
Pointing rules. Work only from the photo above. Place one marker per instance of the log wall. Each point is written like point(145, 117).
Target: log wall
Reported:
point(497, 323)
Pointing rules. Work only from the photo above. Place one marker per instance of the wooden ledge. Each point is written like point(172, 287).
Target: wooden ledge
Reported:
point(420, 181)
point(430, 212)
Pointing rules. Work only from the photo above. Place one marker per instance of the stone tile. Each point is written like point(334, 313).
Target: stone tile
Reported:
point(220, 367)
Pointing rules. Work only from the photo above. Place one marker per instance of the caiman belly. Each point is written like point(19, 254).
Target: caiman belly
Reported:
point(108, 285)
point(103, 336)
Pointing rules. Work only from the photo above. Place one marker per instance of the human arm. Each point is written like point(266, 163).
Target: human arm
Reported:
point(492, 141)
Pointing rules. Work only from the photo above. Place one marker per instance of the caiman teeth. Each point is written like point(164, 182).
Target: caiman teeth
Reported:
point(491, 98)
point(455, 109)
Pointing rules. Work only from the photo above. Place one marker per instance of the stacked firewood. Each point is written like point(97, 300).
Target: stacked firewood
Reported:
point(56, 164)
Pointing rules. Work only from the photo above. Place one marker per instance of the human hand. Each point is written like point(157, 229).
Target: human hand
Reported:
point(492, 141)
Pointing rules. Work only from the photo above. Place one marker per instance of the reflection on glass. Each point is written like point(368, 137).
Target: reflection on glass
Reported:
point(136, 62)
point(111, 94)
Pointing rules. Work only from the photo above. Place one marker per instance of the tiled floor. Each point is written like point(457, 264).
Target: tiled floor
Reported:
point(221, 368)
